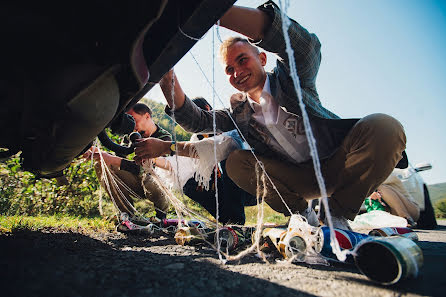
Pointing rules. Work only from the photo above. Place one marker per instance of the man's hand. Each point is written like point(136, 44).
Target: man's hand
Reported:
point(148, 148)
point(377, 195)
point(109, 159)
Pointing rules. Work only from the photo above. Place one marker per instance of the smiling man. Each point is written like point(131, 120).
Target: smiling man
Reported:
point(356, 154)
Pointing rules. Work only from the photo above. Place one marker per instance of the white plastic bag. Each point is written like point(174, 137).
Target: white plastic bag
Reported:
point(377, 219)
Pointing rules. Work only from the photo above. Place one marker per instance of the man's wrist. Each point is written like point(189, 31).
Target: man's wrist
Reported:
point(173, 148)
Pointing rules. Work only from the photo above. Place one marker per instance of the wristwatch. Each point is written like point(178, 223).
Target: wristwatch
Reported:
point(173, 148)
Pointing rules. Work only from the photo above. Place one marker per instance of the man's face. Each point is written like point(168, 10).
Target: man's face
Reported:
point(244, 67)
point(142, 122)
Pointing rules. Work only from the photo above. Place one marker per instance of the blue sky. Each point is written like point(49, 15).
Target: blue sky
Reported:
point(377, 56)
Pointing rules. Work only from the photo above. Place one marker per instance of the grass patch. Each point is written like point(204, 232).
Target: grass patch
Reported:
point(269, 215)
point(62, 222)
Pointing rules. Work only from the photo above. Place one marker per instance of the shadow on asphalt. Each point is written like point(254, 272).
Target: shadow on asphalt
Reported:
point(72, 264)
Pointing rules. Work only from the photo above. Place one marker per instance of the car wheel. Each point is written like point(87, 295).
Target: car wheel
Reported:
point(427, 217)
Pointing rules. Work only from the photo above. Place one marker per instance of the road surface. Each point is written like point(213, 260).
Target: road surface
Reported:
point(53, 263)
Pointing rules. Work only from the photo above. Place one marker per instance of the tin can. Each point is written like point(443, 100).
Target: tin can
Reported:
point(347, 241)
point(273, 235)
point(230, 238)
point(387, 260)
point(395, 231)
point(169, 222)
point(191, 235)
point(174, 222)
point(127, 227)
point(292, 245)
point(270, 238)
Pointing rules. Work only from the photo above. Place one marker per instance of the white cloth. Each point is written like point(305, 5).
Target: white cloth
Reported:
point(201, 168)
point(185, 169)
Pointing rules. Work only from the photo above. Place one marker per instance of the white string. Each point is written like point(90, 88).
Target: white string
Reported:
point(214, 127)
point(308, 132)
point(260, 215)
point(190, 37)
point(218, 31)
point(172, 94)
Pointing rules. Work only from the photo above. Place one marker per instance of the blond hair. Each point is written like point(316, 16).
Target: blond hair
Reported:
point(227, 43)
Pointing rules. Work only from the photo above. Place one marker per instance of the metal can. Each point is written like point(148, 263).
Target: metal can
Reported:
point(270, 238)
point(229, 238)
point(191, 223)
point(395, 231)
point(128, 227)
point(196, 223)
point(346, 239)
point(292, 245)
point(245, 230)
point(191, 235)
point(387, 260)
point(169, 222)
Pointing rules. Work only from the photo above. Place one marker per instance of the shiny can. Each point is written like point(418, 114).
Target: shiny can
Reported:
point(192, 235)
point(270, 238)
point(387, 260)
point(395, 231)
point(347, 241)
point(229, 238)
point(292, 245)
point(174, 222)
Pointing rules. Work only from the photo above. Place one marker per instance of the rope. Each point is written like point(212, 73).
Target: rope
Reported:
point(214, 127)
point(308, 132)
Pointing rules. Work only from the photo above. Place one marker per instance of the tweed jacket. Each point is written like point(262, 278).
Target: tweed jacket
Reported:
point(328, 129)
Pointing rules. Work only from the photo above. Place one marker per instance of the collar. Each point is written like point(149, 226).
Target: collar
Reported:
point(266, 88)
point(156, 131)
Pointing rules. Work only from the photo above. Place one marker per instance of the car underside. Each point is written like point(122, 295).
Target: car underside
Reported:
point(71, 69)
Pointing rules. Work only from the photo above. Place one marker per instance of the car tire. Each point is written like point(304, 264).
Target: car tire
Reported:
point(427, 218)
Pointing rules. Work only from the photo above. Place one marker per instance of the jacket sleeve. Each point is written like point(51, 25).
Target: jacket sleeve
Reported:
point(306, 46)
point(193, 119)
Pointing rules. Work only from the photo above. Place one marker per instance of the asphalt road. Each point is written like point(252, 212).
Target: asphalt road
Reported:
point(53, 263)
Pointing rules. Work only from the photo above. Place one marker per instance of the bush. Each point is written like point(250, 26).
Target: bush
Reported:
point(22, 194)
point(440, 209)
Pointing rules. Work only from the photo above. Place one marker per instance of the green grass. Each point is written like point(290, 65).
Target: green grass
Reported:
point(61, 222)
point(269, 215)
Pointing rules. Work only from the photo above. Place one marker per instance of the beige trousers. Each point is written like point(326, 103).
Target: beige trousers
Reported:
point(367, 155)
point(121, 192)
point(398, 199)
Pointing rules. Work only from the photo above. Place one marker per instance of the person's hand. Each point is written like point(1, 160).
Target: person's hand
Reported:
point(108, 158)
point(148, 148)
point(91, 153)
point(377, 195)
